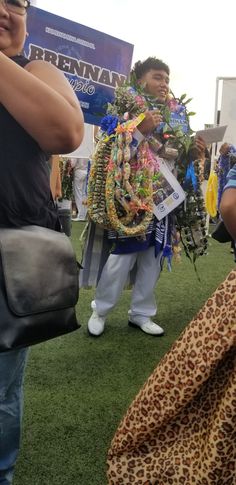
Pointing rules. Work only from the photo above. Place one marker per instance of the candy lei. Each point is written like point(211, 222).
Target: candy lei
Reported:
point(129, 184)
point(119, 188)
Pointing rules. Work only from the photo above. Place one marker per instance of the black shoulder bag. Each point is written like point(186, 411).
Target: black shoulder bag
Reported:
point(220, 233)
point(38, 286)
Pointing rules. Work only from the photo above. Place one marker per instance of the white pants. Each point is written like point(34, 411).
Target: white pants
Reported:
point(115, 274)
point(80, 192)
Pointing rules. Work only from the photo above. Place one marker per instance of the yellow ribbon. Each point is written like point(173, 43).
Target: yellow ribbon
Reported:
point(211, 194)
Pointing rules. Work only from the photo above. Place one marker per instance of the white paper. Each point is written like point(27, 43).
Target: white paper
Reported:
point(212, 135)
point(170, 194)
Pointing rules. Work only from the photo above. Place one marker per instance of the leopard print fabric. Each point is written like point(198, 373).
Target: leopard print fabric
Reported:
point(181, 427)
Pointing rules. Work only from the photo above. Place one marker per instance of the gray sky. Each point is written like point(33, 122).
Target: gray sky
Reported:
point(195, 38)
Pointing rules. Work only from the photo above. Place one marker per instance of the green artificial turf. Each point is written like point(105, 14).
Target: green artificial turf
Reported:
point(77, 387)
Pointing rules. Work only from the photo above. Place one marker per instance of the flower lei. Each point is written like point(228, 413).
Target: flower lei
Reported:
point(120, 189)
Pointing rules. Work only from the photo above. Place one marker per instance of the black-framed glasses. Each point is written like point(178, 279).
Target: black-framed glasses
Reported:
point(16, 6)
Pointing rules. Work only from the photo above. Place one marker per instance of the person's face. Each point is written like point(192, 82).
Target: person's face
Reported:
point(156, 83)
point(224, 149)
point(12, 30)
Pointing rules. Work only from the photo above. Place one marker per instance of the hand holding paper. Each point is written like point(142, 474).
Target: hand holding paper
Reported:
point(212, 135)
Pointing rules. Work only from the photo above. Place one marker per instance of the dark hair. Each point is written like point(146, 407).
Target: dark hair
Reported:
point(141, 68)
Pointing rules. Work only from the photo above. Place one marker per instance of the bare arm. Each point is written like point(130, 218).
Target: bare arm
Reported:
point(228, 210)
point(43, 103)
point(200, 146)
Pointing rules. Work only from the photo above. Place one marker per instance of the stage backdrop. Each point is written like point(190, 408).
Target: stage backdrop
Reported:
point(94, 62)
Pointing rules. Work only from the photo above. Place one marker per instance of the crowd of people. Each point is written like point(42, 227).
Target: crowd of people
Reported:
point(181, 426)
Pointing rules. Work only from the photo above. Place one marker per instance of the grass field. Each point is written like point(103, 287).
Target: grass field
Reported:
point(77, 387)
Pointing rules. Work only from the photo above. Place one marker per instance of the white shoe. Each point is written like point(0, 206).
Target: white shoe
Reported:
point(146, 325)
point(96, 323)
point(77, 219)
point(93, 305)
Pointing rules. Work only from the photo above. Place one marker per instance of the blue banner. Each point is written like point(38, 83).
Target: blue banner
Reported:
point(94, 63)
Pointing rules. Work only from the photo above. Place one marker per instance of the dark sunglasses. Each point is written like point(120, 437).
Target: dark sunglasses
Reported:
point(16, 6)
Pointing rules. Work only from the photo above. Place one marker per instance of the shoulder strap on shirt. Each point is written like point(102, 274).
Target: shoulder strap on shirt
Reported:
point(20, 60)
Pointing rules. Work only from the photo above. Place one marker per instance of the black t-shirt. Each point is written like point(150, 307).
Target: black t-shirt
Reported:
point(25, 196)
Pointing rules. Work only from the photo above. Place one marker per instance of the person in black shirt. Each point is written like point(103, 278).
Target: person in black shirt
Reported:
point(39, 114)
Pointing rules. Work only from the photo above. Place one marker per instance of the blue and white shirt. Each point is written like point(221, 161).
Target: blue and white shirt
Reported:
point(231, 179)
